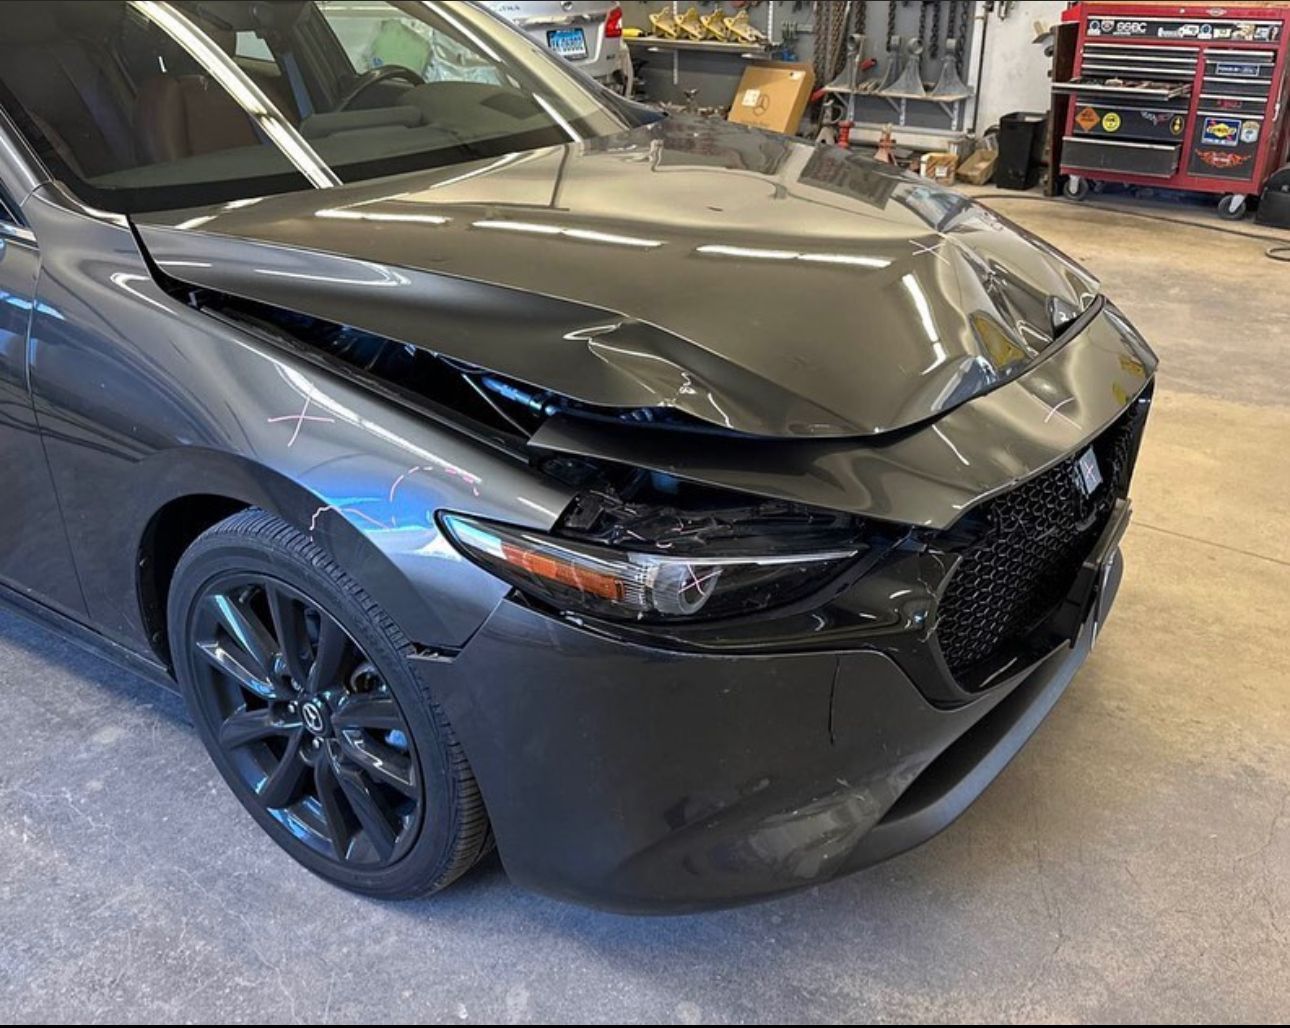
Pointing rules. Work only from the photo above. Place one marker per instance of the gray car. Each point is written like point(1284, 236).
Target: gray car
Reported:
point(587, 33)
point(691, 513)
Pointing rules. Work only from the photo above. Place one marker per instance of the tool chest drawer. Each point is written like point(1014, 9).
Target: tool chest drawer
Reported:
point(1242, 64)
point(1107, 118)
point(1233, 103)
point(1132, 90)
point(1189, 96)
point(1131, 158)
point(1138, 61)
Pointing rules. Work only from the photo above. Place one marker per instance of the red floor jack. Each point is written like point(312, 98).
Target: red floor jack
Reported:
point(856, 67)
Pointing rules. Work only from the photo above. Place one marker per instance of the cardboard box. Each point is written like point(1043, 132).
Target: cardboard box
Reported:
point(939, 167)
point(773, 95)
point(978, 168)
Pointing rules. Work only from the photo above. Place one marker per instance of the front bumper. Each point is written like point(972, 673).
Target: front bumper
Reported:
point(649, 780)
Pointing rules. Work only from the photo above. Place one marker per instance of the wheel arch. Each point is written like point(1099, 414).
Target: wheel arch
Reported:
point(401, 566)
point(167, 535)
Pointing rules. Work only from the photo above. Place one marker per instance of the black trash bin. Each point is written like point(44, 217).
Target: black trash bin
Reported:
point(1274, 207)
point(1021, 149)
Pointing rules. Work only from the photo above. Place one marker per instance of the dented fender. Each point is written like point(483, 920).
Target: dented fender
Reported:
point(230, 415)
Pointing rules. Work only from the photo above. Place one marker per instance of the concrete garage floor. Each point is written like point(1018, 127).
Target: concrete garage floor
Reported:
point(1133, 864)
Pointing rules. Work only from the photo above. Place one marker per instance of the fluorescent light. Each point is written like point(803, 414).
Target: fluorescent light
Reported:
point(586, 235)
point(608, 237)
point(844, 258)
point(716, 250)
point(349, 214)
point(915, 290)
point(757, 253)
point(520, 226)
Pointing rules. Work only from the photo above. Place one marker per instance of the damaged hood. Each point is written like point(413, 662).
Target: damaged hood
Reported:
point(753, 281)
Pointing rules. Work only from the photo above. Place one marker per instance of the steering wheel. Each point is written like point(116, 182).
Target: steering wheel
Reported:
point(371, 77)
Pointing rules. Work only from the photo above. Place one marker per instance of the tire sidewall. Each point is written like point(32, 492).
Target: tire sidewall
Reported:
point(213, 557)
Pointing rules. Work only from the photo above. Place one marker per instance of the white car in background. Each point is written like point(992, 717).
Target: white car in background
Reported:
point(589, 35)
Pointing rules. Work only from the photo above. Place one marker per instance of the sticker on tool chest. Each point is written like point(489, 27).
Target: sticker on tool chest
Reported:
point(1135, 123)
point(1158, 118)
point(1234, 159)
point(1220, 131)
point(1223, 160)
point(1234, 70)
point(1176, 28)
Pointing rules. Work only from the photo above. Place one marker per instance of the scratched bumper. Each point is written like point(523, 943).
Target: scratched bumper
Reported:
point(645, 780)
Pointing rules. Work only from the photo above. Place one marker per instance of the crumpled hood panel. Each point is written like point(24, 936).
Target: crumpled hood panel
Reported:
point(756, 282)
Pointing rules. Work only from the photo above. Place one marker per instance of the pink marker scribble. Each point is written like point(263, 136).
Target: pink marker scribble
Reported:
point(300, 419)
point(447, 469)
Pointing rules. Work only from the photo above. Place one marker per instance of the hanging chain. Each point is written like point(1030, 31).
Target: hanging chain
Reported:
point(965, 27)
point(922, 23)
point(934, 48)
point(830, 39)
point(859, 13)
point(950, 8)
point(891, 21)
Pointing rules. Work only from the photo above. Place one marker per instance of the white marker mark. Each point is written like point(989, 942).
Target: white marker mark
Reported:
point(300, 419)
point(313, 521)
point(1056, 410)
point(934, 249)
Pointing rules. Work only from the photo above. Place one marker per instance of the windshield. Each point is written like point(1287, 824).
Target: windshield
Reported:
point(141, 106)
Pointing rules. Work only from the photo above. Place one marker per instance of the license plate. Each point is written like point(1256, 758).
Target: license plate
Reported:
point(568, 43)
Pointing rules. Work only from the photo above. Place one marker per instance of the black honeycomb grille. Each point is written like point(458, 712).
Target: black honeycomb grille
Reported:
point(1028, 547)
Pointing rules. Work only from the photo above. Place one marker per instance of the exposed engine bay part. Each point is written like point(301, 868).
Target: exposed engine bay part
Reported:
point(925, 476)
point(500, 405)
point(637, 513)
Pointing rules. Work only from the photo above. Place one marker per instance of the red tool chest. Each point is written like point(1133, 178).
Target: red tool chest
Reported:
point(1186, 96)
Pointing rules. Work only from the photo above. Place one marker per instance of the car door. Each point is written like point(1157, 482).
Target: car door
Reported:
point(34, 555)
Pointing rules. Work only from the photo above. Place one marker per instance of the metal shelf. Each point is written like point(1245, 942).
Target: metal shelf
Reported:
point(658, 44)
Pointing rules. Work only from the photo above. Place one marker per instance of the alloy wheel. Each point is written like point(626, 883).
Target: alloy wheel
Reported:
point(306, 721)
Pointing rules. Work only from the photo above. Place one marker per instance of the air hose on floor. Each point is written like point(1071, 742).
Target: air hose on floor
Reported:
point(1279, 251)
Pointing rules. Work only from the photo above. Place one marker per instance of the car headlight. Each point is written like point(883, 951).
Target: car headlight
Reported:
point(632, 585)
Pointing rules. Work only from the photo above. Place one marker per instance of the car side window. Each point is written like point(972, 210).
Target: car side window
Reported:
point(250, 46)
point(374, 33)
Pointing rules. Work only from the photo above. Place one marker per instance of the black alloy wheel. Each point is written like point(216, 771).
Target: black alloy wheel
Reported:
point(302, 691)
point(305, 718)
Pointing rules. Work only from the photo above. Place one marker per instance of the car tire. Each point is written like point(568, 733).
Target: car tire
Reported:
point(329, 739)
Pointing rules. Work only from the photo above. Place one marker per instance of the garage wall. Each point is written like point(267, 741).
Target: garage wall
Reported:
point(1014, 76)
point(715, 76)
point(1015, 70)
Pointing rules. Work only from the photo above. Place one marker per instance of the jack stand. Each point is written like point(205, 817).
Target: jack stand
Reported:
point(895, 46)
point(885, 144)
point(910, 81)
point(949, 86)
